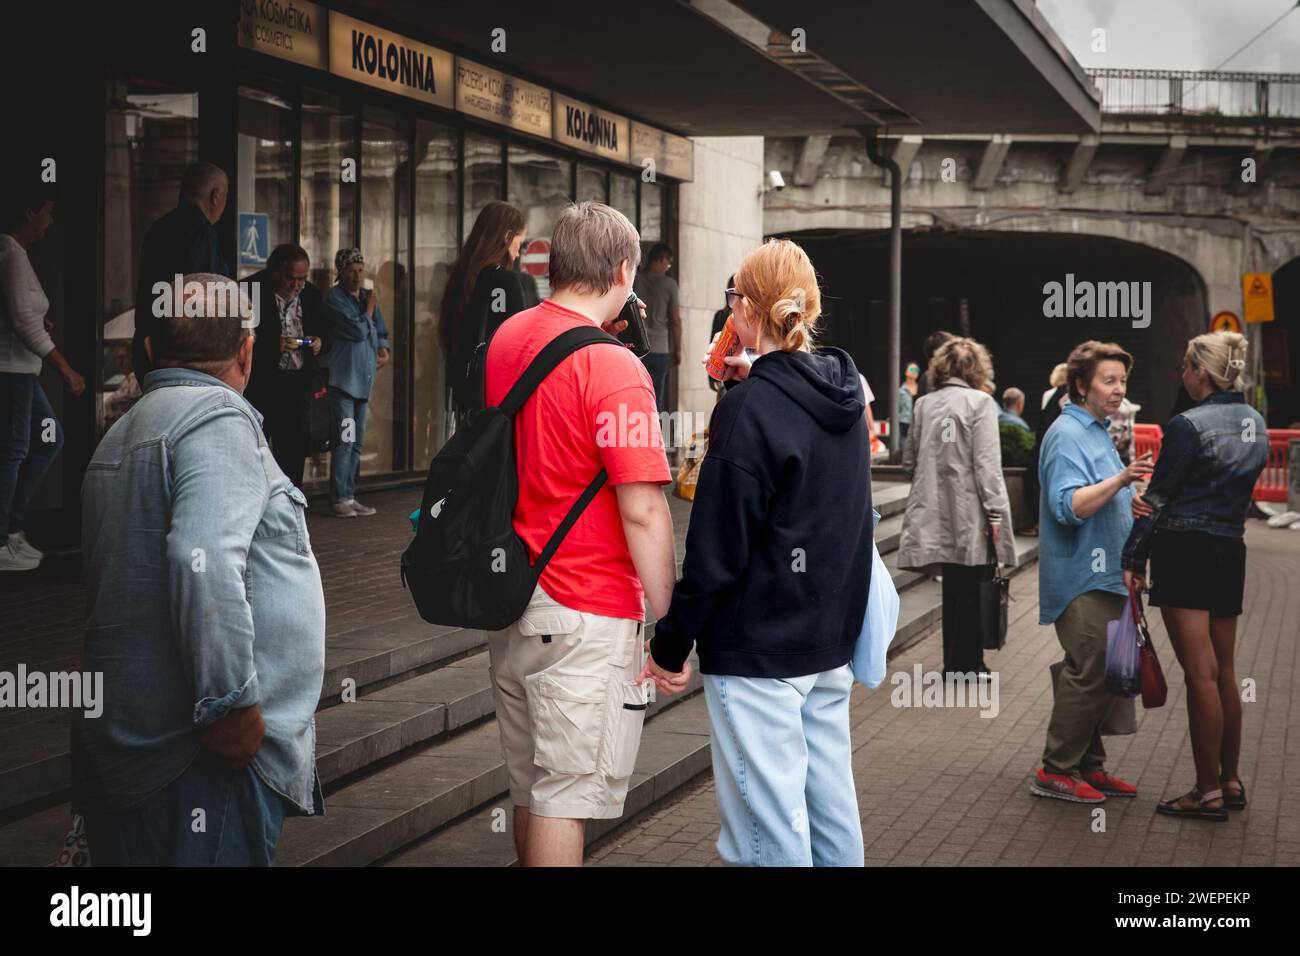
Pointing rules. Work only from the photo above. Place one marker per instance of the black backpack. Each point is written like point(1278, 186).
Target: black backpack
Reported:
point(466, 566)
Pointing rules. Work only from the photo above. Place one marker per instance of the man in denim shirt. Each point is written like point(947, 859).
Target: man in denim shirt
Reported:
point(1084, 519)
point(207, 616)
point(358, 351)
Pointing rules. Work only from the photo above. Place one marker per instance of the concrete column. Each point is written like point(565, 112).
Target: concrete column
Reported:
point(810, 158)
point(1167, 165)
point(720, 219)
point(991, 162)
point(1077, 168)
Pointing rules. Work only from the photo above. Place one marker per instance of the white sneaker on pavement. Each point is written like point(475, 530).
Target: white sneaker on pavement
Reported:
point(11, 559)
point(24, 546)
point(361, 509)
point(345, 509)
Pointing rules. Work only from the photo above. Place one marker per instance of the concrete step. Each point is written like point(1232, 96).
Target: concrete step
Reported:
point(674, 750)
point(398, 804)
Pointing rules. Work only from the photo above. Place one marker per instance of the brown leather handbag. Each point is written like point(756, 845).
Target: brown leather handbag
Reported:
point(1154, 689)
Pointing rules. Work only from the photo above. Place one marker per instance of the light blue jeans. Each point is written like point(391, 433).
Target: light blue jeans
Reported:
point(782, 768)
point(345, 460)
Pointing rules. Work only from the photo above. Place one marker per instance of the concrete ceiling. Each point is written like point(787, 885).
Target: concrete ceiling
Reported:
point(968, 66)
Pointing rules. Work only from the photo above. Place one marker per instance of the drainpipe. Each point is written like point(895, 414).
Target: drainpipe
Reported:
point(870, 134)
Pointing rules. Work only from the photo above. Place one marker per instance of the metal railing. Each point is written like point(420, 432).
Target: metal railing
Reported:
point(1199, 93)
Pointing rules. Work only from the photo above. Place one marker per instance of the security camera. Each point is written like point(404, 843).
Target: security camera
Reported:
point(775, 180)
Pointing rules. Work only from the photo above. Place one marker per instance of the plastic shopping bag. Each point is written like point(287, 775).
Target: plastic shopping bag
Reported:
point(878, 624)
point(1123, 654)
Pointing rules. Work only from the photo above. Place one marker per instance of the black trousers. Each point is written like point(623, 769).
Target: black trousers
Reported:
point(284, 420)
point(963, 649)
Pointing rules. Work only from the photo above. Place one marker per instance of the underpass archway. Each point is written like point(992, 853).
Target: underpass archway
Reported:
point(990, 285)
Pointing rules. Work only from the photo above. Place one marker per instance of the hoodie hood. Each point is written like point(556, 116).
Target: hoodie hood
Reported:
point(823, 383)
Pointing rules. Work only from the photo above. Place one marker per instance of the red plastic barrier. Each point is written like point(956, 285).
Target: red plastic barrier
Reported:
point(1147, 438)
point(1272, 484)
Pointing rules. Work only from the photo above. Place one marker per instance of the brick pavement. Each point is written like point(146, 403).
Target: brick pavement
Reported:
point(944, 787)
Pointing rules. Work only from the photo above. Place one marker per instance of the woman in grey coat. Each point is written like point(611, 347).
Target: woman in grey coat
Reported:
point(953, 457)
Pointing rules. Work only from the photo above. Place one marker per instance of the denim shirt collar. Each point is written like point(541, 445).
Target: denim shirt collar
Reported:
point(1084, 416)
point(1227, 396)
point(178, 375)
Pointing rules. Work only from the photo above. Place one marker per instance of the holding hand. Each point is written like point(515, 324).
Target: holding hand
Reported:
point(288, 343)
point(1136, 583)
point(665, 681)
point(315, 345)
point(1141, 509)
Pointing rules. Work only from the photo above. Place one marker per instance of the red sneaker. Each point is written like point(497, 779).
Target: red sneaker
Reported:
point(1109, 784)
point(1065, 786)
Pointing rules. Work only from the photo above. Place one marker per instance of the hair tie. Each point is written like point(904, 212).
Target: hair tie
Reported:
point(1237, 363)
point(799, 301)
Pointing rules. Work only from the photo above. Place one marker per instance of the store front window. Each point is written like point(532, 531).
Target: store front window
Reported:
point(265, 177)
point(540, 185)
point(385, 231)
point(151, 135)
point(437, 193)
point(622, 195)
point(482, 175)
point(328, 205)
point(652, 212)
point(591, 184)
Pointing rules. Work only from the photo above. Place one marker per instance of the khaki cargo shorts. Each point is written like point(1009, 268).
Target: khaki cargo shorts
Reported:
point(569, 708)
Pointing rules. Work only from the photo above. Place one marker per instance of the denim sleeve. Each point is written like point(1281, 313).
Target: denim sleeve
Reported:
point(1062, 472)
point(1177, 454)
point(218, 496)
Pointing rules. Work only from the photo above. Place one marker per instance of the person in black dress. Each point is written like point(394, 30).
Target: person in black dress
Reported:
point(482, 292)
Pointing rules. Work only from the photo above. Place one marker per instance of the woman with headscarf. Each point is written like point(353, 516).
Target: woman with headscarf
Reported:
point(358, 350)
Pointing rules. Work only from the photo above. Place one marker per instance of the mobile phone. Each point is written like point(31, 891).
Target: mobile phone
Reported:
point(306, 342)
point(635, 336)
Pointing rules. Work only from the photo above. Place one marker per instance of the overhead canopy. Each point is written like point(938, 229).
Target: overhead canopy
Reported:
point(728, 67)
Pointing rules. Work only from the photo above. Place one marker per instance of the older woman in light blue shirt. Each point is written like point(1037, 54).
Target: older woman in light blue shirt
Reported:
point(358, 350)
point(1084, 521)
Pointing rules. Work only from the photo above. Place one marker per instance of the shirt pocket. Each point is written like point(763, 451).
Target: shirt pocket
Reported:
point(286, 518)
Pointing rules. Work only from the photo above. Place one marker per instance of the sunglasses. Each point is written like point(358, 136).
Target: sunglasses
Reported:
point(733, 297)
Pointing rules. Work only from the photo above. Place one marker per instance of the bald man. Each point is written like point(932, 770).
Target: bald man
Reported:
point(184, 241)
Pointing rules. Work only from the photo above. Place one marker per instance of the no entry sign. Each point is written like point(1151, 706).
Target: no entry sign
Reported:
point(536, 258)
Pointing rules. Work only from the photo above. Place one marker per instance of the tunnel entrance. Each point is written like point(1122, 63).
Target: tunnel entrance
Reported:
point(989, 285)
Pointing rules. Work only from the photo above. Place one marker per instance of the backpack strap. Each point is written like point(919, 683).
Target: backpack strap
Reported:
point(555, 352)
point(557, 536)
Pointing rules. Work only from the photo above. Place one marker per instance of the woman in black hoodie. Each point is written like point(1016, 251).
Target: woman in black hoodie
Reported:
point(775, 581)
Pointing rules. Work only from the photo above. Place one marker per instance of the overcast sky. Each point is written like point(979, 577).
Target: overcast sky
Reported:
point(1178, 34)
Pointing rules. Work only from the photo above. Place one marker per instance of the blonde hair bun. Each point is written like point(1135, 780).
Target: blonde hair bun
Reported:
point(1221, 354)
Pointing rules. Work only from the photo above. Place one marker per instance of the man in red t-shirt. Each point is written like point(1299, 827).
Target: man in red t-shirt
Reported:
point(570, 700)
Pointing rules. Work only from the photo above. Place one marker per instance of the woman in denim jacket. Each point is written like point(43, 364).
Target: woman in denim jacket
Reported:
point(1191, 522)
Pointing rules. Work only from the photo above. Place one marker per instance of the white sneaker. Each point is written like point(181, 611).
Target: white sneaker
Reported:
point(345, 509)
point(26, 547)
point(361, 509)
point(1286, 519)
point(11, 559)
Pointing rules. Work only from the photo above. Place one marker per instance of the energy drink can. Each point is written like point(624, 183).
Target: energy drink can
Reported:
point(728, 344)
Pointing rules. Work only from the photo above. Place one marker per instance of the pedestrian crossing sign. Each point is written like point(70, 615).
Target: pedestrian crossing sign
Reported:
point(254, 238)
point(1257, 296)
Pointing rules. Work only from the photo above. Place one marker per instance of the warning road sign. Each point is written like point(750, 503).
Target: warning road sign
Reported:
point(1257, 296)
point(1225, 322)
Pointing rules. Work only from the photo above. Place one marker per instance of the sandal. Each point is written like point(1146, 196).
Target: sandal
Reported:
point(1198, 810)
point(1234, 794)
